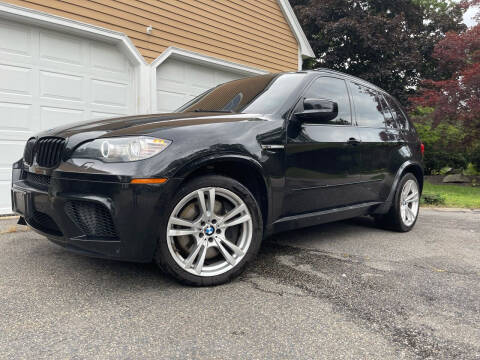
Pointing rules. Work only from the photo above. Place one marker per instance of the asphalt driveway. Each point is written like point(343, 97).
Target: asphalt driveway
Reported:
point(342, 290)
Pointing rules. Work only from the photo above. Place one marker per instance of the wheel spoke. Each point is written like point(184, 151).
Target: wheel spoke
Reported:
point(201, 199)
point(191, 258)
point(406, 190)
point(177, 232)
point(201, 260)
point(211, 198)
point(238, 221)
point(411, 213)
point(412, 197)
point(235, 248)
point(232, 213)
point(182, 222)
point(410, 186)
point(224, 252)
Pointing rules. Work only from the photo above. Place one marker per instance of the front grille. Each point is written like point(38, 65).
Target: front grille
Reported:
point(37, 179)
point(93, 219)
point(48, 151)
point(44, 223)
point(28, 152)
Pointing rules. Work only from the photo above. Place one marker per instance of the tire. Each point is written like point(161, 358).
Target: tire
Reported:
point(203, 248)
point(396, 219)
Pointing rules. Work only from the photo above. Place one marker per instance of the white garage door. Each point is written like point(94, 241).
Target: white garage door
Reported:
point(178, 81)
point(49, 79)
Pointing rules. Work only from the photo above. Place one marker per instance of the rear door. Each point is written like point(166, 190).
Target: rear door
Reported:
point(372, 116)
point(322, 158)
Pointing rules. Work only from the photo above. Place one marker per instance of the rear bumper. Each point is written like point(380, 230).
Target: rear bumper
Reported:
point(106, 219)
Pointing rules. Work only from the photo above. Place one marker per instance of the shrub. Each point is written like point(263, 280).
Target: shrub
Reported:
point(444, 144)
point(433, 199)
point(475, 157)
point(435, 160)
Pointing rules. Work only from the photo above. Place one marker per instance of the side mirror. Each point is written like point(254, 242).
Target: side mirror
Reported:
point(318, 110)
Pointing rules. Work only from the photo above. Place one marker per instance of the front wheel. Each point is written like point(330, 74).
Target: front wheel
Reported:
point(404, 211)
point(211, 231)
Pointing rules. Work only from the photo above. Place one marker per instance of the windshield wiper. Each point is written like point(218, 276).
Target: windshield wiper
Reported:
point(213, 111)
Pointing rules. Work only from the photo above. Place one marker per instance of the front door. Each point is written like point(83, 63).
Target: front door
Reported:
point(322, 159)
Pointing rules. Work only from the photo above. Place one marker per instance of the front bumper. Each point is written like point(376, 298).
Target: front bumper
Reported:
point(107, 219)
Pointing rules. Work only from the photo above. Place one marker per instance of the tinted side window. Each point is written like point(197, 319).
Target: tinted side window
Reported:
point(333, 89)
point(398, 114)
point(388, 116)
point(368, 107)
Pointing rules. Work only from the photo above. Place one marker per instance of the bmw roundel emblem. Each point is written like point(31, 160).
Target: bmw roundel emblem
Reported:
point(209, 230)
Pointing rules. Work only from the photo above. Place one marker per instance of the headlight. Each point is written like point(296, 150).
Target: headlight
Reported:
point(121, 149)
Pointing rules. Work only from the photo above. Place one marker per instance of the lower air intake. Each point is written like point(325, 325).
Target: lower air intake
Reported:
point(44, 223)
point(93, 219)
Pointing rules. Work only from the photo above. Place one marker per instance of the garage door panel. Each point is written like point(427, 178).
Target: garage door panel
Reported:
point(5, 197)
point(199, 77)
point(171, 70)
point(16, 40)
point(109, 76)
point(108, 58)
point(178, 81)
point(60, 86)
point(109, 93)
point(14, 99)
point(15, 117)
point(168, 101)
point(15, 79)
point(11, 151)
point(60, 48)
point(54, 116)
point(172, 85)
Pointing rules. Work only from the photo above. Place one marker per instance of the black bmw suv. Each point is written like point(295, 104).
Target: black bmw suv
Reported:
point(197, 190)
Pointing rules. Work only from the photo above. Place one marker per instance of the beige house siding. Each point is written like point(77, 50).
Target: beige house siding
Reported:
point(250, 32)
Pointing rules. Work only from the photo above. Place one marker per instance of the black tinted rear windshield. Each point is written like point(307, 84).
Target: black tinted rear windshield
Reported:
point(254, 95)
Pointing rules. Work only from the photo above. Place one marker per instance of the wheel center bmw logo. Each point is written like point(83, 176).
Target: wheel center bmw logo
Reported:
point(209, 230)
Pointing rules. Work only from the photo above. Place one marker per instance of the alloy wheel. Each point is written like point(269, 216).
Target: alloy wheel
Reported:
point(209, 231)
point(409, 202)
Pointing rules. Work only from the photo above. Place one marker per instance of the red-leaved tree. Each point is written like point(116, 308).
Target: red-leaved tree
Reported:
point(456, 99)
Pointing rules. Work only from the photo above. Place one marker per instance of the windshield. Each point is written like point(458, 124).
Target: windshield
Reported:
point(254, 95)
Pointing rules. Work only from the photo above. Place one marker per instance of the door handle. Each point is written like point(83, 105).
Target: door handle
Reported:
point(353, 141)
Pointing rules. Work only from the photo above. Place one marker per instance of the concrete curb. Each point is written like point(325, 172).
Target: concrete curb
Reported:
point(447, 209)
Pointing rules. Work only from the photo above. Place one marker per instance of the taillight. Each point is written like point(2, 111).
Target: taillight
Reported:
point(422, 148)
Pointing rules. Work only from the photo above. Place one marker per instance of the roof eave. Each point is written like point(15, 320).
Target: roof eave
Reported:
point(306, 50)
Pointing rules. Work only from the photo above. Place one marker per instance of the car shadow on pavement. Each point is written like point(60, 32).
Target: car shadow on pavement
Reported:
point(127, 275)
point(146, 271)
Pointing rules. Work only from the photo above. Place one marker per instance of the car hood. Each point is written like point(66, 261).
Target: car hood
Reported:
point(139, 125)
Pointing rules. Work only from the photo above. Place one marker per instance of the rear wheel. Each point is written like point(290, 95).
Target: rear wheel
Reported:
point(212, 230)
point(404, 211)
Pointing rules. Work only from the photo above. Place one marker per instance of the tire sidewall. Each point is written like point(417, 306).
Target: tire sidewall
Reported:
point(165, 260)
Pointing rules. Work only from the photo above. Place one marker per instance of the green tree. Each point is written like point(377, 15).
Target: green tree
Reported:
point(389, 43)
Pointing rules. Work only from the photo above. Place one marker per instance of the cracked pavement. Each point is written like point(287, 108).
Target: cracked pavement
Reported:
point(344, 290)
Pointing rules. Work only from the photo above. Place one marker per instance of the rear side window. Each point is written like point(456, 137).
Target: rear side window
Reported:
point(398, 114)
point(388, 116)
point(368, 106)
point(334, 89)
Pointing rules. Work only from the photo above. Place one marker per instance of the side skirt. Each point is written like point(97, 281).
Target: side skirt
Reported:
point(321, 217)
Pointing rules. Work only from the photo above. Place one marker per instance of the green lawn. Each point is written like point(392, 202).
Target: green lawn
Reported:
point(454, 195)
